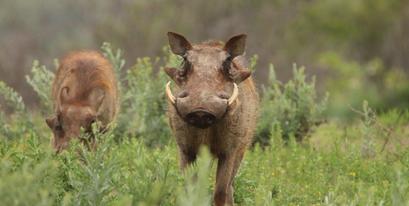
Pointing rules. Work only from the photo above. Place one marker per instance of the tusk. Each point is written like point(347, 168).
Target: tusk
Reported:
point(169, 94)
point(234, 95)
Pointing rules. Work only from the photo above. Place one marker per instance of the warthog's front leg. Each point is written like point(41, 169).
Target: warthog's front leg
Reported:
point(230, 190)
point(187, 157)
point(225, 167)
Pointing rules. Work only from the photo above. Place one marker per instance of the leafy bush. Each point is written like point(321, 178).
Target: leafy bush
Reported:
point(19, 120)
point(292, 109)
point(12, 99)
point(143, 102)
point(41, 80)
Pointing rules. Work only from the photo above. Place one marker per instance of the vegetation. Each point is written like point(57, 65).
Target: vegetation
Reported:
point(291, 109)
point(365, 162)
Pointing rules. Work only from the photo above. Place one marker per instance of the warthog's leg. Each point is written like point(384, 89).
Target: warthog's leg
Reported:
point(236, 166)
point(187, 157)
point(225, 167)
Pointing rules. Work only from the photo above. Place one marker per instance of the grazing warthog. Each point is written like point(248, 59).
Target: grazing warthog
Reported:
point(84, 91)
point(215, 104)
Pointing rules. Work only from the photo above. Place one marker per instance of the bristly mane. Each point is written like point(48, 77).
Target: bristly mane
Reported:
point(213, 43)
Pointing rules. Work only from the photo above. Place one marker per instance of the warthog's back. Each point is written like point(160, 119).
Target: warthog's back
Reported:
point(82, 73)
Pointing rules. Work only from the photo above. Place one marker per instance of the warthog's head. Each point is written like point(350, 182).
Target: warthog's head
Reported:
point(73, 117)
point(207, 80)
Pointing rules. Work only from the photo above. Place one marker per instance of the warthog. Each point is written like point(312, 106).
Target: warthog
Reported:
point(84, 91)
point(215, 104)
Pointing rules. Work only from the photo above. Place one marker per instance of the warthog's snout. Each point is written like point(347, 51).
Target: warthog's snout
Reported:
point(201, 111)
point(202, 108)
point(200, 118)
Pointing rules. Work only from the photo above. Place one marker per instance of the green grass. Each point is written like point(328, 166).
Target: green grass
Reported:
point(130, 173)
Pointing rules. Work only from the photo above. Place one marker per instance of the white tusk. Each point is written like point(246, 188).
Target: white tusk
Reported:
point(169, 94)
point(234, 95)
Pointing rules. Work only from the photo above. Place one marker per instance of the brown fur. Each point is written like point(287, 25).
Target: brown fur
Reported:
point(230, 136)
point(84, 90)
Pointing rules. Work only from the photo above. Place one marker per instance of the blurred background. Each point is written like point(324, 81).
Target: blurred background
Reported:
point(357, 49)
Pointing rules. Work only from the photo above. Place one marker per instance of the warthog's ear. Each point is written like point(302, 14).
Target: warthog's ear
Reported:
point(51, 121)
point(64, 94)
point(236, 69)
point(174, 74)
point(239, 72)
point(241, 76)
point(178, 43)
point(236, 45)
point(96, 97)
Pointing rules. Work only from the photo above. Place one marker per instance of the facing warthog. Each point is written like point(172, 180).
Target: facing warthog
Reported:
point(215, 104)
point(84, 91)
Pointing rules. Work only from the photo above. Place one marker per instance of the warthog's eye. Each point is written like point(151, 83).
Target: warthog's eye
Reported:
point(186, 65)
point(58, 127)
point(226, 66)
point(183, 94)
point(58, 124)
point(223, 95)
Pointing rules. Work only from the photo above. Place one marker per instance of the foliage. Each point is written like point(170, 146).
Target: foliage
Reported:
point(197, 185)
point(116, 60)
point(146, 102)
point(40, 80)
point(13, 127)
point(363, 163)
point(292, 108)
point(143, 105)
point(12, 98)
point(130, 173)
point(351, 82)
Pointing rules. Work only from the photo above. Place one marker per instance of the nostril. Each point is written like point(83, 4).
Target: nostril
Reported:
point(191, 117)
point(209, 119)
point(183, 94)
point(223, 95)
point(200, 119)
point(191, 120)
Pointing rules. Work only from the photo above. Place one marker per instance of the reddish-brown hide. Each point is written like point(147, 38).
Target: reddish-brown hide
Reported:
point(203, 109)
point(84, 91)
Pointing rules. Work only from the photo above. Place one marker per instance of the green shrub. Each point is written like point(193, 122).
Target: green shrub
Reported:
point(292, 108)
point(19, 120)
point(143, 102)
point(12, 99)
point(29, 185)
point(41, 80)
